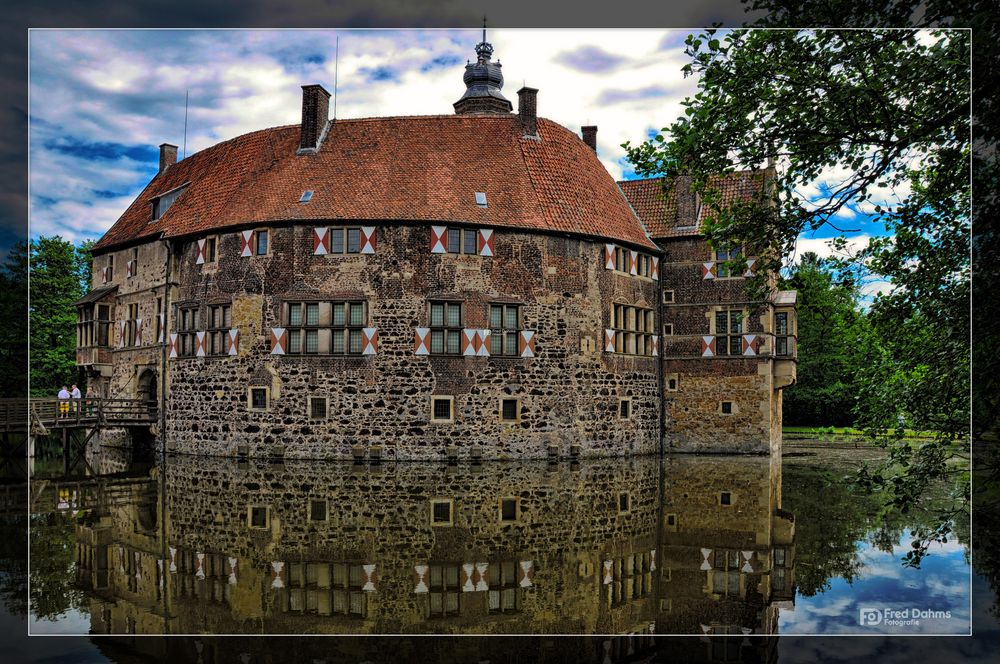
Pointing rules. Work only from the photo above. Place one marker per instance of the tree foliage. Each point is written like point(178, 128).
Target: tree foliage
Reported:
point(829, 323)
point(55, 287)
point(869, 122)
point(14, 331)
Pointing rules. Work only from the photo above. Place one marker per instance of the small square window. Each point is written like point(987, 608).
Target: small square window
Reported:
point(672, 381)
point(258, 516)
point(510, 509)
point(668, 296)
point(442, 409)
point(481, 198)
point(317, 408)
point(258, 398)
point(727, 407)
point(668, 329)
point(672, 520)
point(725, 498)
point(469, 241)
point(509, 411)
point(623, 502)
point(625, 409)
point(211, 249)
point(317, 510)
point(441, 509)
point(306, 196)
point(454, 240)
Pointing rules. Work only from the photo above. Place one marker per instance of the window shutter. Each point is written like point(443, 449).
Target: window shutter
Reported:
point(652, 560)
point(609, 256)
point(486, 242)
point(633, 262)
point(162, 321)
point(484, 343)
point(199, 565)
point(246, 242)
point(469, 340)
point(749, 271)
point(279, 338)
point(130, 268)
point(525, 573)
point(121, 334)
point(232, 571)
point(656, 268)
point(104, 275)
point(138, 331)
point(749, 344)
point(321, 241)
point(708, 271)
point(526, 343)
point(609, 341)
point(420, 579)
point(422, 341)
point(368, 240)
point(656, 345)
point(199, 344)
point(369, 341)
point(370, 576)
point(707, 346)
point(198, 259)
point(481, 577)
point(173, 557)
point(465, 580)
point(232, 341)
point(173, 345)
point(608, 574)
point(706, 559)
point(438, 234)
point(747, 566)
point(277, 575)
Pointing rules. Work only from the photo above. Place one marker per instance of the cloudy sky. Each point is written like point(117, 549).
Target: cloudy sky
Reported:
point(101, 101)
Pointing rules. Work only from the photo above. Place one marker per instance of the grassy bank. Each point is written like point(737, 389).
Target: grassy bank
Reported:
point(819, 432)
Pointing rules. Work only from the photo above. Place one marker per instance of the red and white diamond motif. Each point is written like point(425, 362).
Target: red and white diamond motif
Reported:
point(609, 256)
point(526, 343)
point(422, 341)
point(485, 242)
point(173, 345)
point(438, 234)
point(200, 344)
point(232, 341)
point(708, 271)
point(749, 344)
point(138, 331)
point(368, 240)
point(279, 338)
point(420, 579)
point(277, 575)
point(246, 242)
point(525, 573)
point(369, 340)
point(484, 343)
point(232, 571)
point(321, 241)
point(608, 573)
point(633, 262)
point(369, 577)
point(609, 340)
point(707, 346)
point(656, 268)
point(200, 255)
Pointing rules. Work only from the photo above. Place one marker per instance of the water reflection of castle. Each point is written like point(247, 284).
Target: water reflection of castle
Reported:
point(695, 545)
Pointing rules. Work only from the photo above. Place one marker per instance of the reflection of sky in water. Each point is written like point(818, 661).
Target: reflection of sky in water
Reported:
point(71, 622)
point(941, 584)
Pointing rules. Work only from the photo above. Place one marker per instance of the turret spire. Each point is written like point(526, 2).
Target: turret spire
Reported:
point(483, 81)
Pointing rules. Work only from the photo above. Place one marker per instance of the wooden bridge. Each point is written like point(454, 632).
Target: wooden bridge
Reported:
point(76, 420)
point(40, 416)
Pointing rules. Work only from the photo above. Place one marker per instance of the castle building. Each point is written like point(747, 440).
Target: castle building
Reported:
point(473, 285)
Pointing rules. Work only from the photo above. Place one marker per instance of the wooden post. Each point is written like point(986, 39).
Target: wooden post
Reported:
point(65, 449)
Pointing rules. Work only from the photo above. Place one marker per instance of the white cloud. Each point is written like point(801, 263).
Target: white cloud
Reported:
point(822, 246)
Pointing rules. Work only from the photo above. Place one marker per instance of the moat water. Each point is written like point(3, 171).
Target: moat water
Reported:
point(628, 549)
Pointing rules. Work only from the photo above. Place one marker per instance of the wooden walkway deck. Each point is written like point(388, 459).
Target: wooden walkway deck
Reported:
point(40, 416)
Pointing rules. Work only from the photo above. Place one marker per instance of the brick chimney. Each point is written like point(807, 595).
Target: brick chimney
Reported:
point(168, 156)
point(527, 110)
point(315, 113)
point(590, 136)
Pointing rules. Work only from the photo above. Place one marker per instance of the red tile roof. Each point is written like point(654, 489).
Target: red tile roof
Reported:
point(416, 169)
point(659, 212)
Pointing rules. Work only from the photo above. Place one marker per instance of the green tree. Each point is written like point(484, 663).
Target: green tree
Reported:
point(55, 286)
point(825, 392)
point(14, 332)
point(886, 111)
point(85, 264)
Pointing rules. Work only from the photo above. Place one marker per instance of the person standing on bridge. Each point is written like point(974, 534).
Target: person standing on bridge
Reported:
point(91, 395)
point(63, 405)
point(75, 395)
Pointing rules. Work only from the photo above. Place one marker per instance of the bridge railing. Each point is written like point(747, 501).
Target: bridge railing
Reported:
point(21, 414)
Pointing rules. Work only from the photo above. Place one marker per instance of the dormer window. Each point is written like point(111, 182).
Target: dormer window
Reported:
point(481, 198)
point(163, 202)
point(306, 196)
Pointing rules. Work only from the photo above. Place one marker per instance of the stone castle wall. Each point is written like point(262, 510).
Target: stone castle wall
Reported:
point(569, 392)
point(694, 416)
